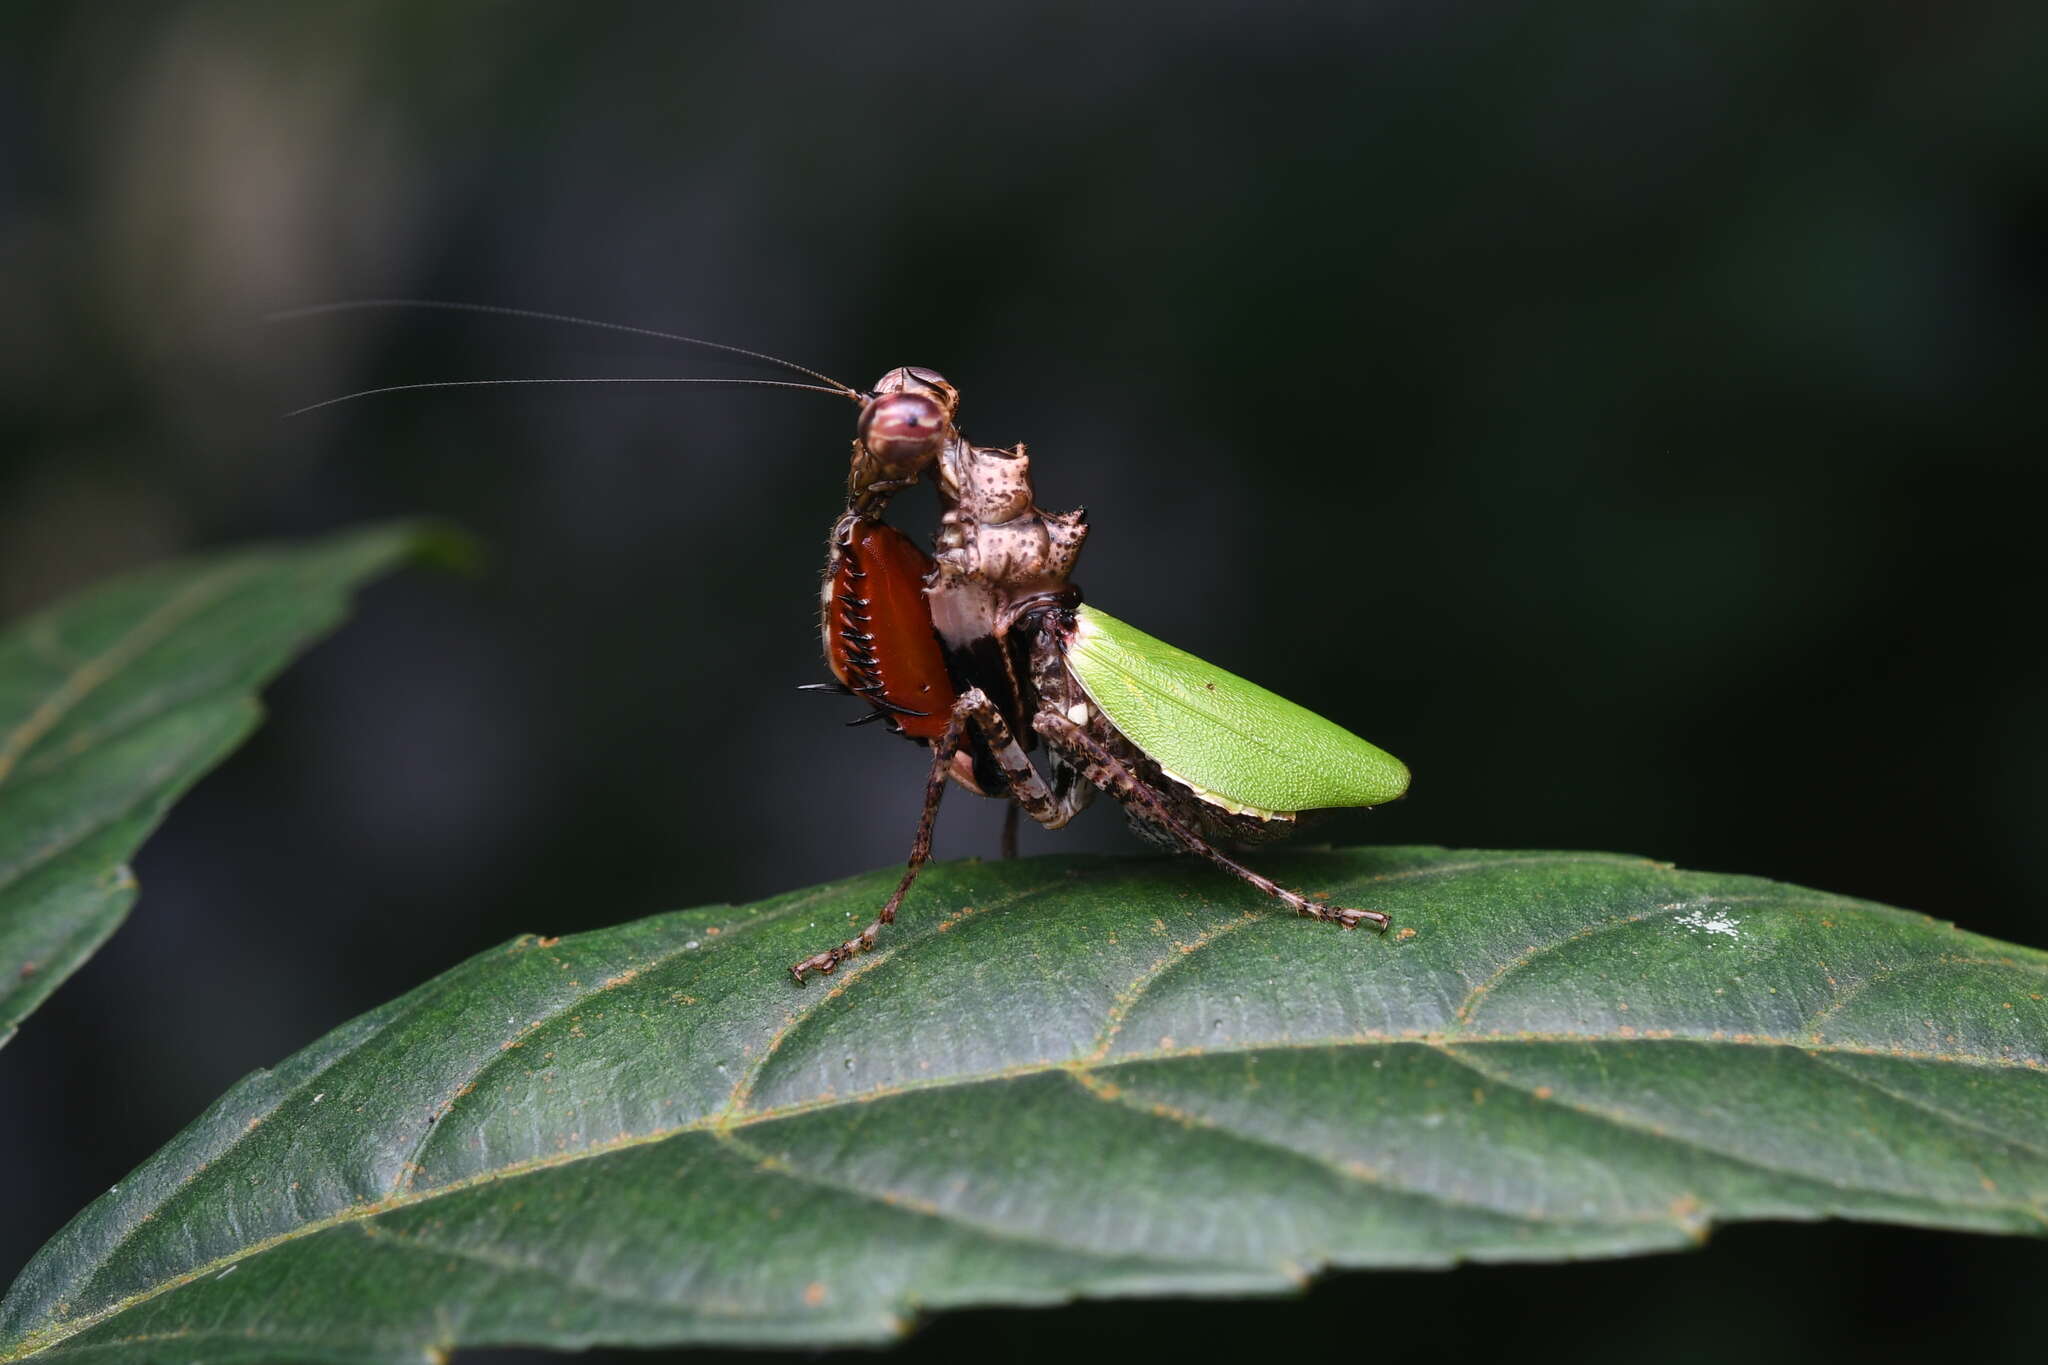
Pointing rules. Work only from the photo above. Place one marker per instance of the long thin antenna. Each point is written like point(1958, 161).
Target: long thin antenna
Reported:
point(355, 305)
point(496, 383)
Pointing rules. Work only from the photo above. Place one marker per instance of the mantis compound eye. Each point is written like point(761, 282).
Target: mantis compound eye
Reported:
point(903, 431)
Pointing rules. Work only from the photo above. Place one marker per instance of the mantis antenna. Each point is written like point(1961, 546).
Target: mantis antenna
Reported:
point(498, 310)
point(492, 383)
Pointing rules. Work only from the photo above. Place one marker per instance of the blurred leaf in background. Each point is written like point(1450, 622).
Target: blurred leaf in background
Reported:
point(113, 703)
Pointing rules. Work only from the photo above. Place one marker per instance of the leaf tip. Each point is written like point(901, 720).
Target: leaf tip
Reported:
point(446, 546)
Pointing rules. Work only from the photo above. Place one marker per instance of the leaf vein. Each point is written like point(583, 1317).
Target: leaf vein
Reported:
point(743, 1088)
point(94, 673)
point(1462, 1015)
point(36, 859)
point(1929, 1107)
point(1631, 1124)
point(1353, 1173)
point(901, 1203)
point(512, 1265)
point(1128, 999)
point(407, 1167)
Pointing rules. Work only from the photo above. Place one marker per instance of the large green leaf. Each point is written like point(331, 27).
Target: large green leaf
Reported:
point(116, 701)
point(1062, 1077)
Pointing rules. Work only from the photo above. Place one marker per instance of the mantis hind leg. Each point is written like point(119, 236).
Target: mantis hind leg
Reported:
point(1114, 776)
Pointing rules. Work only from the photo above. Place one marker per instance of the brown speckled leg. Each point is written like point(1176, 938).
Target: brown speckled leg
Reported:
point(1106, 771)
point(1028, 792)
point(920, 853)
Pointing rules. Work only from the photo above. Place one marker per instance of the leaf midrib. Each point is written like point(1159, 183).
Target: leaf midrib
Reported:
point(94, 673)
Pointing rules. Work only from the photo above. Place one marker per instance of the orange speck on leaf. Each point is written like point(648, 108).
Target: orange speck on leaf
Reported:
point(814, 1294)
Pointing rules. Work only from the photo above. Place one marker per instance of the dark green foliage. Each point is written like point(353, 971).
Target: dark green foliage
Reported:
point(116, 701)
point(1067, 1077)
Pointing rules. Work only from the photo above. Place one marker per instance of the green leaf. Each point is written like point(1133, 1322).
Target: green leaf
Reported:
point(116, 701)
point(1064, 1077)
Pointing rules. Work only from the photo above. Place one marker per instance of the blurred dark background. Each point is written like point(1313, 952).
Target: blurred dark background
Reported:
point(1627, 414)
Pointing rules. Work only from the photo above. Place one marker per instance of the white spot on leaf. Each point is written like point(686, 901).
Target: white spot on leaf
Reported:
point(1709, 922)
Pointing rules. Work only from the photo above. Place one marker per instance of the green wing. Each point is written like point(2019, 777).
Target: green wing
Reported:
point(1232, 741)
